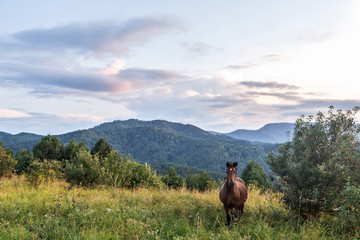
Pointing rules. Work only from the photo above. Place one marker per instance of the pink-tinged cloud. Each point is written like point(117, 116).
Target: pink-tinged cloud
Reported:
point(8, 113)
point(62, 81)
point(103, 37)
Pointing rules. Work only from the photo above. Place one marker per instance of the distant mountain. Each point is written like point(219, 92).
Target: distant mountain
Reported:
point(270, 133)
point(161, 143)
point(20, 140)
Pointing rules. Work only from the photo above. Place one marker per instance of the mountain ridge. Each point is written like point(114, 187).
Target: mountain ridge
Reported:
point(160, 142)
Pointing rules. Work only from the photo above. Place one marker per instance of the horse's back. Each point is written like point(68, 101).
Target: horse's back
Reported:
point(239, 179)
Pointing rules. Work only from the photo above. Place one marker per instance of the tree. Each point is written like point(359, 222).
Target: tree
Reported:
point(24, 158)
point(7, 161)
point(254, 173)
point(102, 148)
point(321, 159)
point(171, 178)
point(72, 148)
point(49, 148)
point(84, 169)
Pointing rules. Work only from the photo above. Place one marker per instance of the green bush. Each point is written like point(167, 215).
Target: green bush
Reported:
point(201, 182)
point(7, 161)
point(122, 171)
point(349, 211)
point(254, 173)
point(43, 171)
point(24, 158)
point(171, 179)
point(84, 169)
point(319, 161)
point(49, 148)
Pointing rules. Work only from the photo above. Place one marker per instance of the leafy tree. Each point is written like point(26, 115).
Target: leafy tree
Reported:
point(102, 148)
point(172, 179)
point(49, 148)
point(83, 169)
point(72, 148)
point(321, 159)
point(43, 171)
point(254, 173)
point(201, 182)
point(24, 158)
point(7, 161)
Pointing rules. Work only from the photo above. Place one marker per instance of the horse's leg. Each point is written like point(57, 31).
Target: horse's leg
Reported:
point(227, 215)
point(241, 209)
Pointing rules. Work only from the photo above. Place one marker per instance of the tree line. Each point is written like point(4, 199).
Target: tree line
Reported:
point(101, 165)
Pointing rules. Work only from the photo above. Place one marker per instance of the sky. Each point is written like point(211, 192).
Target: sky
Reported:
point(219, 65)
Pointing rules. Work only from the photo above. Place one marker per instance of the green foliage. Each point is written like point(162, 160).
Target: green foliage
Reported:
point(201, 182)
point(83, 169)
point(182, 170)
point(161, 142)
point(120, 170)
point(49, 148)
point(72, 148)
point(7, 161)
point(102, 148)
point(317, 164)
point(115, 170)
point(172, 179)
point(349, 212)
point(43, 171)
point(254, 173)
point(24, 158)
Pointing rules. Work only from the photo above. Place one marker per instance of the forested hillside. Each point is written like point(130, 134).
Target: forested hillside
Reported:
point(161, 142)
point(270, 133)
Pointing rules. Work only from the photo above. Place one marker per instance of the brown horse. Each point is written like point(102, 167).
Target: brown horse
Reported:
point(233, 193)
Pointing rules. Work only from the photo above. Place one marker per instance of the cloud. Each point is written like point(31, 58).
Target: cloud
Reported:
point(42, 123)
point(9, 113)
point(243, 66)
point(62, 81)
point(198, 48)
point(264, 60)
point(289, 96)
point(269, 85)
point(101, 37)
point(114, 67)
point(275, 57)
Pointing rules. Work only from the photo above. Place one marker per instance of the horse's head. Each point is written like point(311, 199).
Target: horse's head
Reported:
point(231, 173)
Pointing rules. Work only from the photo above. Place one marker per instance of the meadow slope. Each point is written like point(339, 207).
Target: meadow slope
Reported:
point(56, 211)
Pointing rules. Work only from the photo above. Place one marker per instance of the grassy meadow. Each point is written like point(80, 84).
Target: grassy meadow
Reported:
point(55, 211)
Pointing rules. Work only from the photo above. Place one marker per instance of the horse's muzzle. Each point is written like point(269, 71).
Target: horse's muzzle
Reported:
point(231, 184)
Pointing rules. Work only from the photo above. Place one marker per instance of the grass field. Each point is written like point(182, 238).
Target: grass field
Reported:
point(56, 211)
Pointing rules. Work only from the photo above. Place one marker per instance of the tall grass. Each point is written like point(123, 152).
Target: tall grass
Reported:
point(56, 211)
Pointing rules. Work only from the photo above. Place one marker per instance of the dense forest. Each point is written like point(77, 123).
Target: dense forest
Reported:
point(160, 143)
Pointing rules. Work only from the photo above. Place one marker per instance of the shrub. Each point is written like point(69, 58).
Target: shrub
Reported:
point(349, 211)
point(84, 169)
point(43, 171)
point(254, 173)
point(172, 179)
point(314, 166)
point(7, 161)
point(49, 148)
point(24, 158)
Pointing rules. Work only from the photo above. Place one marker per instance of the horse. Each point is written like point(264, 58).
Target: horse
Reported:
point(233, 193)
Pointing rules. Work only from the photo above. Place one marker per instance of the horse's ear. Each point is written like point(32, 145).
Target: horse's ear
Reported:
point(228, 164)
point(235, 164)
